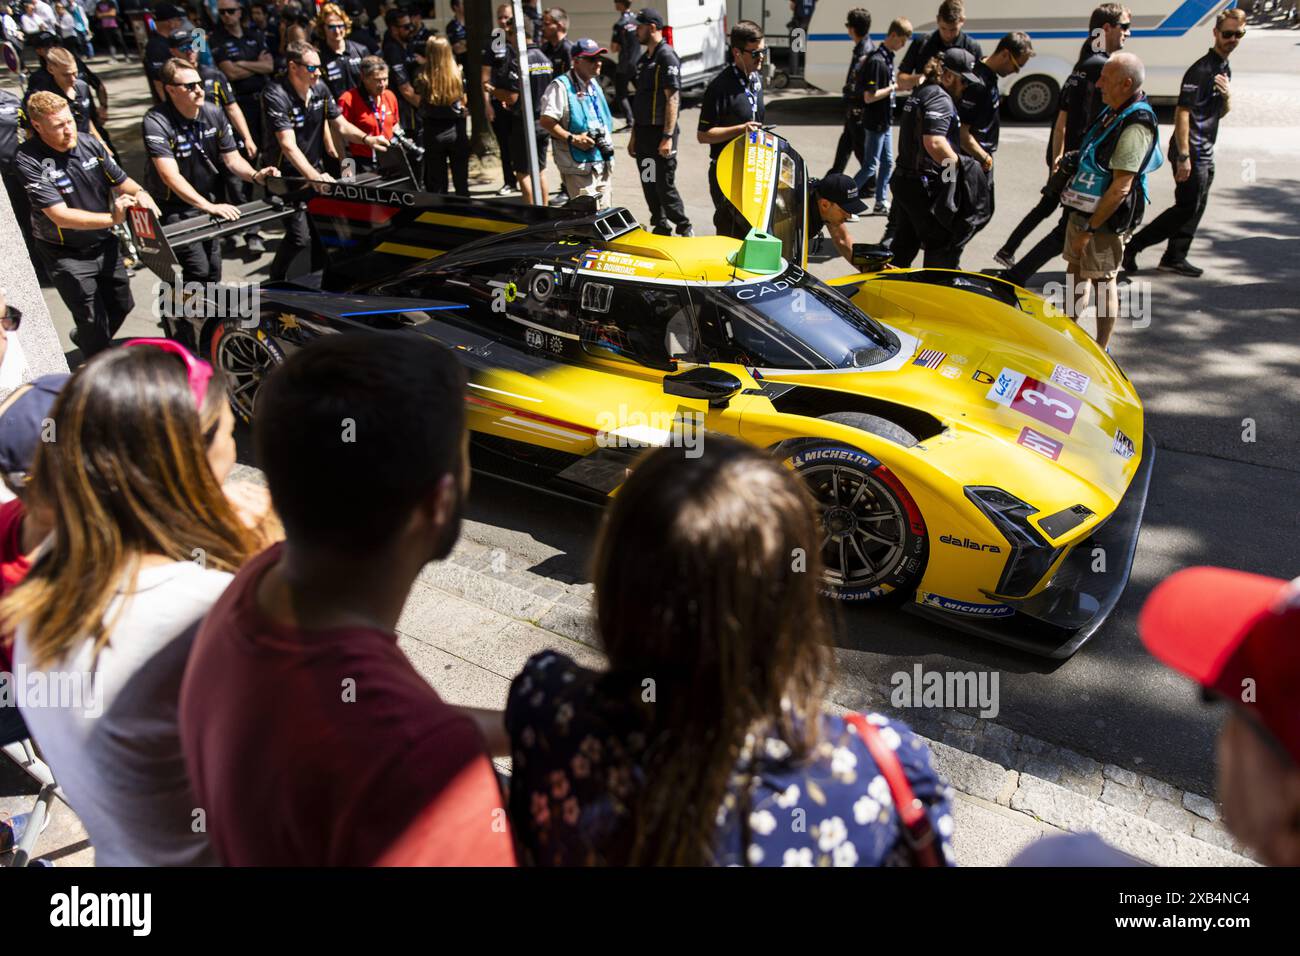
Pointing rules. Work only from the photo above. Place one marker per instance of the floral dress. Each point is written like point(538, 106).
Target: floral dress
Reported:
point(579, 741)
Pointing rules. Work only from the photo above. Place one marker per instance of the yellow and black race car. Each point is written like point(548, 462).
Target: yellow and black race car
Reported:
point(973, 454)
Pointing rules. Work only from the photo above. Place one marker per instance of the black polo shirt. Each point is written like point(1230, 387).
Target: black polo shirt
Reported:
point(157, 51)
point(216, 88)
point(82, 178)
point(925, 48)
point(658, 74)
point(732, 98)
point(877, 74)
point(560, 55)
point(629, 47)
point(929, 111)
point(282, 109)
point(10, 114)
point(81, 102)
point(1204, 104)
point(1080, 97)
point(540, 74)
point(195, 144)
point(42, 79)
point(250, 46)
point(861, 50)
point(457, 33)
point(815, 223)
point(978, 108)
point(342, 71)
point(394, 54)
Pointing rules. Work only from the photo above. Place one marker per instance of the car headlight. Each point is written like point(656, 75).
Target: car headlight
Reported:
point(1031, 555)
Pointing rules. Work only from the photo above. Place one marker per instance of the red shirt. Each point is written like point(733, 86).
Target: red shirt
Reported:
point(372, 118)
point(322, 748)
point(13, 563)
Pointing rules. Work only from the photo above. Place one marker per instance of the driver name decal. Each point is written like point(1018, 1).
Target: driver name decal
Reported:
point(1038, 400)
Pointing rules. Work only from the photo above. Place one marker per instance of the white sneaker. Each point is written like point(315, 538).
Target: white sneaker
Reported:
point(853, 217)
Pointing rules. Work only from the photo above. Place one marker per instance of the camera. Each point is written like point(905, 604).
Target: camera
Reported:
point(408, 146)
point(600, 137)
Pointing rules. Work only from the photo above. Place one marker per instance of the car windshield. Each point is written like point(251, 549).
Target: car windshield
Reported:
point(798, 316)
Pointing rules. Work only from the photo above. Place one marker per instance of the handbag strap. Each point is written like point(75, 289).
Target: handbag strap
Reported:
point(916, 822)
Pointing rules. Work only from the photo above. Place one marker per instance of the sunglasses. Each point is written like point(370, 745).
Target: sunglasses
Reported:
point(184, 48)
point(227, 11)
point(312, 68)
point(11, 319)
point(1126, 26)
point(759, 54)
point(194, 87)
point(1232, 34)
point(335, 27)
point(197, 372)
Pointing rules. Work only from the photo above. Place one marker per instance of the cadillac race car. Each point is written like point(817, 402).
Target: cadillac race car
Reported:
point(974, 455)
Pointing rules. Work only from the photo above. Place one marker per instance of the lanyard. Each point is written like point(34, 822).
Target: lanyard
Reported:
point(380, 111)
point(747, 86)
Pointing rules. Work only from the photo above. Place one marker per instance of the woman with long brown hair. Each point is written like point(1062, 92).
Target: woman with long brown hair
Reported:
point(705, 741)
point(144, 541)
point(444, 110)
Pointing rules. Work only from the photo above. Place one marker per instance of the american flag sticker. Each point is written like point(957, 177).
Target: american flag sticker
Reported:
point(930, 358)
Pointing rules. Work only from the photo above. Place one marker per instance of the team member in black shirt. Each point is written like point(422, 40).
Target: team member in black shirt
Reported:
point(216, 89)
point(654, 136)
point(78, 193)
point(189, 142)
point(555, 40)
point(62, 69)
point(167, 18)
point(950, 19)
point(41, 79)
point(11, 117)
point(506, 87)
point(1108, 31)
point(339, 56)
point(495, 53)
point(1204, 98)
point(402, 27)
point(832, 200)
point(978, 107)
point(858, 23)
point(927, 137)
point(876, 84)
point(296, 110)
point(457, 32)
point(623, 43)
point(733, 106)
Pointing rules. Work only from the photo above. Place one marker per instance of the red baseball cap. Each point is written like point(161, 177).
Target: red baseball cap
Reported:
point(1236, 634)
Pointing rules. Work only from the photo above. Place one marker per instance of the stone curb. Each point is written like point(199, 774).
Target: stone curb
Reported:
point(1142, 816)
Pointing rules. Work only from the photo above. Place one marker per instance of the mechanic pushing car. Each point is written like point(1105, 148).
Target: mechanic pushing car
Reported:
point(834, 199)
point(295, 111)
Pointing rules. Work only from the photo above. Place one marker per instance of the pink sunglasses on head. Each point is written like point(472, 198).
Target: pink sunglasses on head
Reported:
point(197, 371)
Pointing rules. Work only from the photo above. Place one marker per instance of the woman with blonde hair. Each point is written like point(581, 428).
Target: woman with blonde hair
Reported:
point(144, 541)
point(340, 56)
point(444, 109)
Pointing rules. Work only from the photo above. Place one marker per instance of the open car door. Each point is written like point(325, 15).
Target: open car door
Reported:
point(764, 180)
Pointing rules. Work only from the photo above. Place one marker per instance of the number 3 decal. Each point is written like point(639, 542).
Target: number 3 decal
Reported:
point(1062, 410)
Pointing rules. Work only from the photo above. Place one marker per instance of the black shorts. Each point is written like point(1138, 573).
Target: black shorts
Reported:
point(519, 149)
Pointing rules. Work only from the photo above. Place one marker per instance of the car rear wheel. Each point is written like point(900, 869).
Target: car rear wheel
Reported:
point(246, 356)
point(1034, 99)
point(873, 538)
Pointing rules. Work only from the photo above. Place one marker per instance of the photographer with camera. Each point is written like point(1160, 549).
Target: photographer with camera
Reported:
point(575, 113)
point(371, 107)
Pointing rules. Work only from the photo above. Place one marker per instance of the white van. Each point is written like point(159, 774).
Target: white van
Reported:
point(1168, 35)
point(697, 30)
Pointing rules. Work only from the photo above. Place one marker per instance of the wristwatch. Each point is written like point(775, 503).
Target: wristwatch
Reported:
point(1090, 229)
point(666, 136)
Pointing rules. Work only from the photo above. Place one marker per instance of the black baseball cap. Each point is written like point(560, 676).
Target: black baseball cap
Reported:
point(180, 38)
point(650, 15)
point(22, 421)
point(168, 11)
point(843, 191)
point(44, 38)
point(961, 62)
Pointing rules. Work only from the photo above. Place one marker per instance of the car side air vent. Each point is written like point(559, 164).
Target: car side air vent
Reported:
point(613, 223)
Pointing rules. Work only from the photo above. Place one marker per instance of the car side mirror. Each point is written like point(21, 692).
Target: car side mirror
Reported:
point(713, 385)
point(871, 258)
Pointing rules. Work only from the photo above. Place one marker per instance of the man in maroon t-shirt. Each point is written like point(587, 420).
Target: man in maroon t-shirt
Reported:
point(309, 737)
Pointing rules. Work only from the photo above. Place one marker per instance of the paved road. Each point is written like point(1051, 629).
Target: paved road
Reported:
point(1218, 351)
